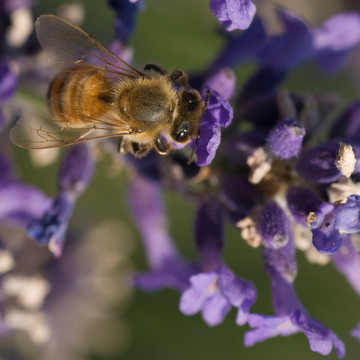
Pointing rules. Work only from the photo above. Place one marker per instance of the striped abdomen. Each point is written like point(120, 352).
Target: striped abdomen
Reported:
point(79, 94)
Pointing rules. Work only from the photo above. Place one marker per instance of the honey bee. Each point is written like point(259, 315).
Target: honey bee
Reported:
point(98, 95)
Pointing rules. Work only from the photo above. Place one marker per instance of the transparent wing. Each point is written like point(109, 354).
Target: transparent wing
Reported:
point(66, 43)
point(38, 130)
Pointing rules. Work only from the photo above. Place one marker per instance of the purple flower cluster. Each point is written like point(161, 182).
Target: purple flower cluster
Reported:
point(271, 181)
point(267, 161)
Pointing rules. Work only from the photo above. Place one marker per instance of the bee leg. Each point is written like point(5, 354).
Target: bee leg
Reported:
point(207, 99)
point(140, 150)
point(160, 146)
point(192, 155)
point(121, 145)
point(178, 77)
point(156, 68)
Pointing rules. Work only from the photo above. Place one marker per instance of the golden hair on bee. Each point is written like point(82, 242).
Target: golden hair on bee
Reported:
point(98, 95)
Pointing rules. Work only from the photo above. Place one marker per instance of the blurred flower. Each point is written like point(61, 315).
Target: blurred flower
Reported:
point(77, 329)
point(167, 268)
point(125, 20)
point(233, 14)
point(74, 176)
point(8, 84)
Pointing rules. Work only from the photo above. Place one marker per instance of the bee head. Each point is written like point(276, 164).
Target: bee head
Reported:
point(189, 111)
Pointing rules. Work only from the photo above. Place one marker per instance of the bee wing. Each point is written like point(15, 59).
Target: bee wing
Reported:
point(66, 42)
point(38, 130)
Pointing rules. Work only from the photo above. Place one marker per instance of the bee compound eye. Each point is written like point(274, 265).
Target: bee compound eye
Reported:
point(182, 136)
point(190, 99)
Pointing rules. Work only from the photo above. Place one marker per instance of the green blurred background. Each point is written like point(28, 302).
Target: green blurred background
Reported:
point(183, 34)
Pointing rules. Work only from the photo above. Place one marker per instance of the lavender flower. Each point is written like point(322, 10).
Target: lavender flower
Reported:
point(329, 44)
point(218, 114)
point(168, 269)
point(273, 226)
point(214, 293)
point(7, 85)
point(290, 316)
point(318, 164)
point(285, 139)
point(215, 290)
point(335, 39)
point(233, 14)
point(331, 223)
point(19, 202)
point(125, 20)
point(74, 176)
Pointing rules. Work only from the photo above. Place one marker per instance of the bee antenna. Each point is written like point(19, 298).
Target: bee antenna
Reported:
point(207, 99)
point(191, 157)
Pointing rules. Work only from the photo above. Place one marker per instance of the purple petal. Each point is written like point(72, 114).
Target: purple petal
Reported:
point(74, 175)
point(259, 90)
point(288, 50)
point(240, 293)
point(8, 82)
point(202, 286)
point(20, 199)
point(321, 339)
point(145, 199)
point(267, 327)
point(318, 164)
point(290, 316)
point(209, 235)
point(214, 293)
point(223, 81)
point(241, 46)
point(326, 238)
point(237, 195)
point(347, 261)
point(6, 171)
point(218, 113)
point(174, 274)
point(220, 109)
point(126, 14)
point(122, 51)
point(348, 122)
point(215, 309)
point(347, 215)
point(51, 228)
point(233, 14)
point(239, 147)
point(356, 332)
point(334, 40)
point(76, 169)
point(281, 266)
point(285, 139)
point(301, 202)
point(13, 5)
point(167, 269)
point(209, 141)
point(147, 166)
point(273, 226)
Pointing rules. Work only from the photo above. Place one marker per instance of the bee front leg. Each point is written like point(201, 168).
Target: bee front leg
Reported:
point(121, 145)
point(140, 150)
point(160, 146)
